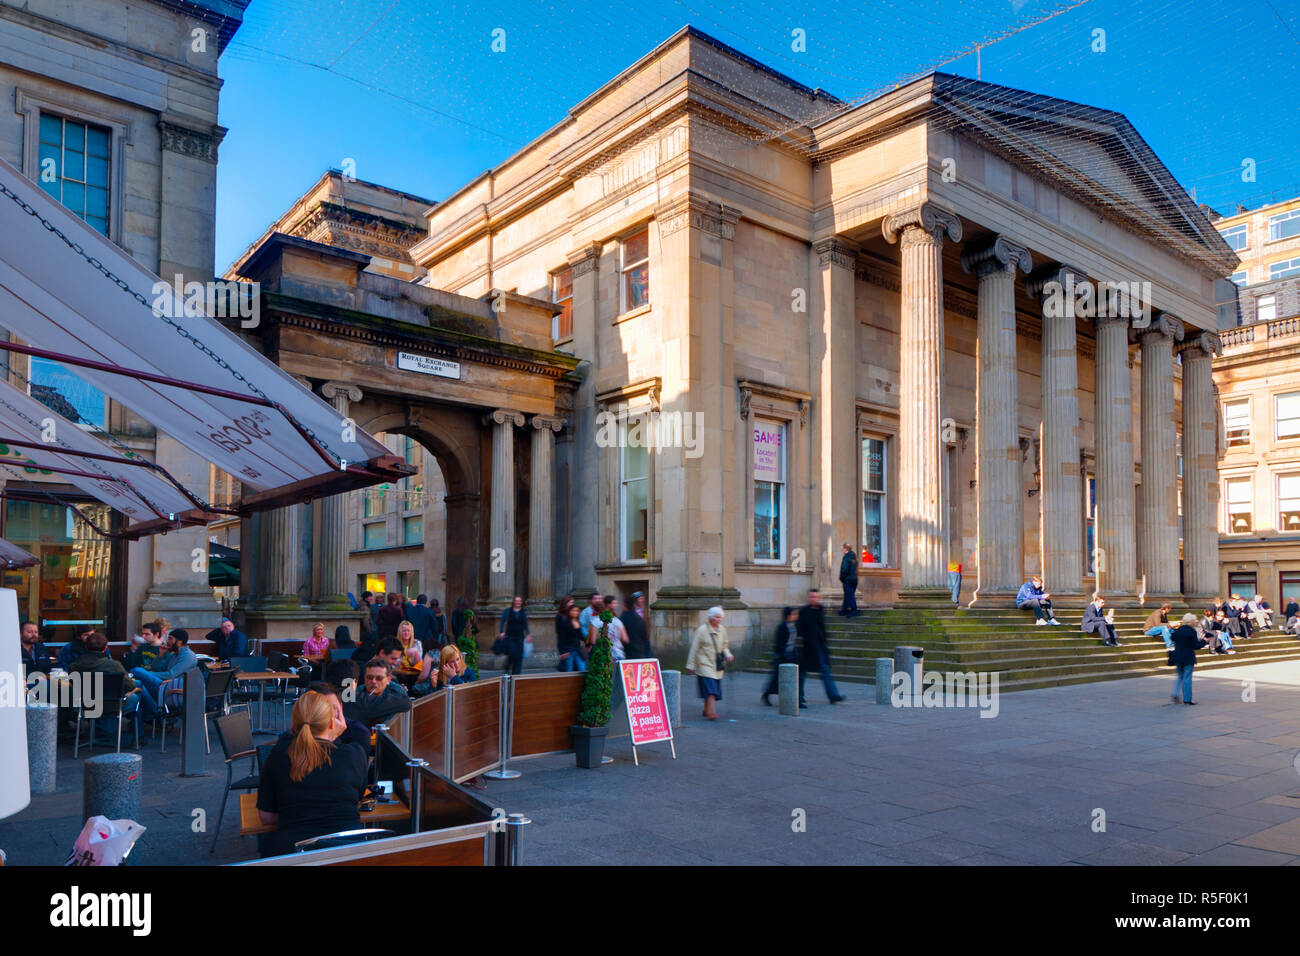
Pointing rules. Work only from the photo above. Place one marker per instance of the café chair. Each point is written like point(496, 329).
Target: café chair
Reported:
point(111, 710)
point(342, 838)
point(216, 700)
point(235, 734)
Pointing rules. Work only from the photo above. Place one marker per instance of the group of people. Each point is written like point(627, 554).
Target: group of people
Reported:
point(577, 629)
point(800, 638)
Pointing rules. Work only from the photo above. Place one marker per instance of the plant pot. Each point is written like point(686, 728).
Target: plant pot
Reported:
point(588, 745)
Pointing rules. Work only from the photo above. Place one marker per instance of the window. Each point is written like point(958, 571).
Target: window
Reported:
point(1284, 269)
point(1241, 514)
point(1243, 583)
point(562, 295)
point(413, 530)
point(372, 501)
point(1289, 588)
point(1266, 308)
point(1284, 225)
point(408, 584)
point(60, 391)
point(1239, 278)
point(875, 511)
point(72, 166)
point(634, 271)
point(412, 486)
point(1236, 422)
point(376, 584)
point(1288, 503)
point(1235, 237)
point(769, 490)
point(634, 482)
point(1288, 416)
point(376, 535)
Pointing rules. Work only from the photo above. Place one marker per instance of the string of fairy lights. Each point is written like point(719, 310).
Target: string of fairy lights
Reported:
point(401, 49)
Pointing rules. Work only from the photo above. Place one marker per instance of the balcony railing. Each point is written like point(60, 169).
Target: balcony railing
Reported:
point(375, 500)
point(1271, 331)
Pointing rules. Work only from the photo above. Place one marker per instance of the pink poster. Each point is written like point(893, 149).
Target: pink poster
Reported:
point(647, 712)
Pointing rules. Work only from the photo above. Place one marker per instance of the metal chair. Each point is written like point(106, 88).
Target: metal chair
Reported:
point(216, 700)
point(342, 838)
point(109, 705)
point(235, 734)
point(171, 707)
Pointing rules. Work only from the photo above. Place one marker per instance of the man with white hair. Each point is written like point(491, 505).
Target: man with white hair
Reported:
point(1259, 610)
point(708, 657)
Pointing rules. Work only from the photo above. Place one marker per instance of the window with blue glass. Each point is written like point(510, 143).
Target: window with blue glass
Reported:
point(60, 391)
point(72, 166)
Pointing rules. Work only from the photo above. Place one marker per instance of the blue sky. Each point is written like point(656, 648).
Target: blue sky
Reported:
point(414, 94)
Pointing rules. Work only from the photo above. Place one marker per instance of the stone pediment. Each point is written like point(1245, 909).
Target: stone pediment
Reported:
point(1095, 154)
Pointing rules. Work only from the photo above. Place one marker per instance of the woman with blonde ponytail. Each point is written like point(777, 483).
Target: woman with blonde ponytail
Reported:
point(315, 775)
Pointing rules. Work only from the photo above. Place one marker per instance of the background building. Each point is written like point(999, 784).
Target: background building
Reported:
point(113, 111)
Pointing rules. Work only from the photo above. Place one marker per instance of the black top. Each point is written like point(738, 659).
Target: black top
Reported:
point(459, 621)
point(324, 801)
point(812, 631)
point(638, 637)
point(421, 619)
point(1186, 641)
point(37, 659)
point(232, 645)
point(386, 621)
point(1292, 609)
point(849, 567)
point(784, 650)
point(514, 624)
point(371, 709)
point(568, 635)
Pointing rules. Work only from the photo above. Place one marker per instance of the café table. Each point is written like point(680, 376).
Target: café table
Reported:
point(262, 677)
point(251, 824)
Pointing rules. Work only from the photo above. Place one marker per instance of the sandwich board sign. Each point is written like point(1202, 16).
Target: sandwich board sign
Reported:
point(647, 710)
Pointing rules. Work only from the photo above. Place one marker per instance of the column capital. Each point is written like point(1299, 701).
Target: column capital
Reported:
point(343, 390)
point(836, 251)
point(1207, 343)
point(1105, 321)
point(504, 416)
point(1163, 325)
point(584, 259)
point(997, 254)
point(699, 213)
point(1052, 280)
point(542, 422)
point(927, 216)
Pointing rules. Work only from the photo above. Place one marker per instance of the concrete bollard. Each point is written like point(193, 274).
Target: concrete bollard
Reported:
point(884, 679)
point(787, 684)
point(910, 660)
point(111, 787)
point(42, 746)
point(673, 696)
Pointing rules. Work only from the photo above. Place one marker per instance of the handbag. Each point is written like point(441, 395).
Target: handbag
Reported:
point(720, 659)
point(499, 646)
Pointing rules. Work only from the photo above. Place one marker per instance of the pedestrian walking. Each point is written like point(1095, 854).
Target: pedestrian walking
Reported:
point(1183, 657)
point(513, 634)
point(708, 657)
point(811, 625)
point(785, 650)
point(849, 578)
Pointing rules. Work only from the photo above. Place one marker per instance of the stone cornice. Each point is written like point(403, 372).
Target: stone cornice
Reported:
point(696, 212)
point(998, 254)
point(835, 251)
point(191, 142)
point(934, 219)
point(585, 259)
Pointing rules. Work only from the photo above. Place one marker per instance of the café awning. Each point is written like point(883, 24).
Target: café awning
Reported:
point(80, 300)
point(223, 566)
point(12, 556)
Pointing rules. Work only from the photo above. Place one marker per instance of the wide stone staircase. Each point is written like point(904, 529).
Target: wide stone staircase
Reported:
point(1024, 655)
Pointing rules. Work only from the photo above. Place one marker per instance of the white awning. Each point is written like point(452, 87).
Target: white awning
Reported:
point(132, 486)
point(67, 289)
point(12, 556)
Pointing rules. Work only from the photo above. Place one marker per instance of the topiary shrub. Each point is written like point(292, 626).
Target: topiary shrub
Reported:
point(593, 709)
point(468, 643)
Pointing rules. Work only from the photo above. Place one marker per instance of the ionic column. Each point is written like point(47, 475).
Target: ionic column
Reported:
point(923, 561)
point(1200, 470)
point(1114, 453)
point(1158, 523)
point(541, 506)
point(333, 527)
point(279, 534)
point(1061, 516)
point(997, 430)
point(501, 573)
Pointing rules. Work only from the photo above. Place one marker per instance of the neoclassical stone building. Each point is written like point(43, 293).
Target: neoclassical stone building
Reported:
point(845, 315)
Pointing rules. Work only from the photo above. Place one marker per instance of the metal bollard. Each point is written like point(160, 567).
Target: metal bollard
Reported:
point(417, 792)
point(501, 773)
point(515, 824)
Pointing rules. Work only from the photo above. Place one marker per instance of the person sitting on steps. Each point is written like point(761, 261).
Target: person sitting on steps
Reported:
point(1096, 621)
point(1032, 597)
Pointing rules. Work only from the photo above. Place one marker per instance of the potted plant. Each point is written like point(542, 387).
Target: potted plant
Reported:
point(468, 642)
point(593, 710)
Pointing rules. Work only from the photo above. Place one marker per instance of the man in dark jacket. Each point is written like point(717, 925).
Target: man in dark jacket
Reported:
point(1094, 622)
point(231, 642)
point(849, 578)
point(785, 650)
point(421, 619)
point(96, 660)
point(816, 655)
point(638, 637)
point(34, 655)
point(1186, 641)
point(382, 698)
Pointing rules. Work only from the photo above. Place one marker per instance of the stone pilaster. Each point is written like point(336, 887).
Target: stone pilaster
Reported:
point(332, 531)
point(501, 536)
point(924, 557)
point(997, 429)
point(1061, 515)
point(835, 447)
point(584, 488)
point(1114, 452)
point(1158, 523)
point(1200, 470)
point(541, 511)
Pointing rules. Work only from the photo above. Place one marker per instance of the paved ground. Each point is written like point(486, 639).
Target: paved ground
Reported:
point(1212, 784)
